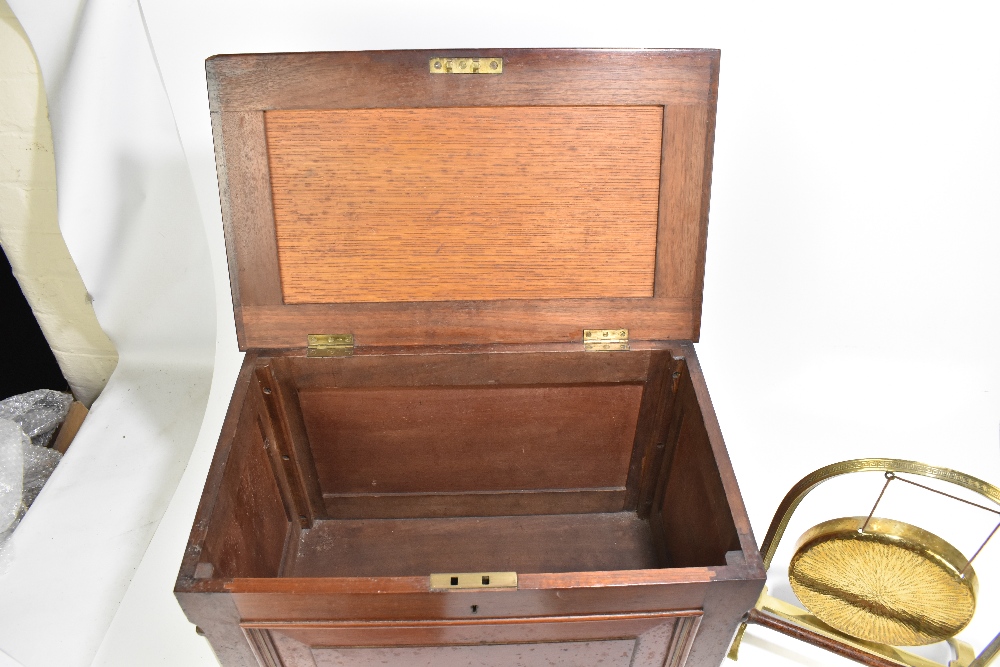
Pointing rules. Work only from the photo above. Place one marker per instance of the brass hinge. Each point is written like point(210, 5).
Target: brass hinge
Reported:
point(605, 340)
point(329, 345)
point(466, 580)
point(468, 65)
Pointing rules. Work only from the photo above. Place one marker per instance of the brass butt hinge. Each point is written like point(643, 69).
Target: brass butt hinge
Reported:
point(466, 580)
point(470, 65)
point(605, 340)
point(329, 345)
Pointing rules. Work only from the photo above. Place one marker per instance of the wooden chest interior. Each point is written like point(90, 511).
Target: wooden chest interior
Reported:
point(465, 228)
point(412, 464)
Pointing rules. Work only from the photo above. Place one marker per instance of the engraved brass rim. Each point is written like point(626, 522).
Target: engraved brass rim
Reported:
point(894, 583)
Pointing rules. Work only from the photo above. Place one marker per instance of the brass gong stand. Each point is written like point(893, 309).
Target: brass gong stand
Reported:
point(912, 552)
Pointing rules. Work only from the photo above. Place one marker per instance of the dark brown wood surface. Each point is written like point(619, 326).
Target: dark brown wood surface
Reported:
point(691, 497)
point(402, 79)
point(621, 514)
point(766, 620)
point(249, 527)
point(628, 641)
point(280, 395)
point(494, 503)
point(722, 464)
point(611, 562)
point(513, 308)
point(467, 366)
point(413, 547)
point(408, 598)
point(469, 439)
point(466, 204)
point(463, 322)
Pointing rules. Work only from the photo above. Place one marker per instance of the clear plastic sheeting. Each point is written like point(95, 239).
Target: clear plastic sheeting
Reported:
point(39, 413)
point(27, 424)
point(12, 445)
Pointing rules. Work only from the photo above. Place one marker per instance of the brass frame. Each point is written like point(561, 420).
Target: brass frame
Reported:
point(801, 618)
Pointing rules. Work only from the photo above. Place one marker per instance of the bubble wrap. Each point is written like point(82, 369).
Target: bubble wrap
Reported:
point(38, 413)
point(12, 444)
point(27, 422)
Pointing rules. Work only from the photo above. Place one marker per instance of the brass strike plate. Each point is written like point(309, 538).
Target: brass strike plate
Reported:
point(470, 65)
point(329, 345)
point(468, 580)
point(605, 340)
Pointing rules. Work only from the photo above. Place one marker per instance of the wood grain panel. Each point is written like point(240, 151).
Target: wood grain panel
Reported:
point(606, 653)
point(684, 220)
point(465, 204)
point(247, 532)
point(734, 499)
point(401, 79)
point(497, 503)
point(647, 640)
point(692, 499)
point(414, 547)
point(241, 160)
point(291, 456)
point(472, 439)
point(426, 368)
point(468, 322)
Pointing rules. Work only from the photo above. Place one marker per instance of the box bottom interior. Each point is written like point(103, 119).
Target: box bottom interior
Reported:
point(539, 543)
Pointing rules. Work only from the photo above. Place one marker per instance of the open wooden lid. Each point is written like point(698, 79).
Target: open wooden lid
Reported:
point(457, 197)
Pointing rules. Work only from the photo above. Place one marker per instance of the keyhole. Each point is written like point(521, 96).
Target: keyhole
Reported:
point(475, 608)
point(486, 580)
point(454, 581)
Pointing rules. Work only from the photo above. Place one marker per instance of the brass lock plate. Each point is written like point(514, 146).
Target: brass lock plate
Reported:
point(454, 581)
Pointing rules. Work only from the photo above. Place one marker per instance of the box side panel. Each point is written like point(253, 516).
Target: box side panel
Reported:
point(734, 499)
point(196, 541)
point(691, 505)
point(249, 523)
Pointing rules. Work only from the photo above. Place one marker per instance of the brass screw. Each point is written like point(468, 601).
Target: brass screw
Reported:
point(493, 65)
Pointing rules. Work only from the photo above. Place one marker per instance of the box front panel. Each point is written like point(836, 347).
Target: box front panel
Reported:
point(640, 641)
point(465, 204)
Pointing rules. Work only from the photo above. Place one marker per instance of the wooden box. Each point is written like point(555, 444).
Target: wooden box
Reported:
point(466, 216)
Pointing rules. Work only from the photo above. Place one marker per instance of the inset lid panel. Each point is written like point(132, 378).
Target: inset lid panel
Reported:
point(465, 204)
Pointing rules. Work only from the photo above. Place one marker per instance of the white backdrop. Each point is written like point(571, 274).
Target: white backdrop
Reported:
point(852, 295)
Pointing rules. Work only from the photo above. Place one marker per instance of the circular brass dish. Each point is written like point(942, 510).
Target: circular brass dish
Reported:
point(894, 583)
